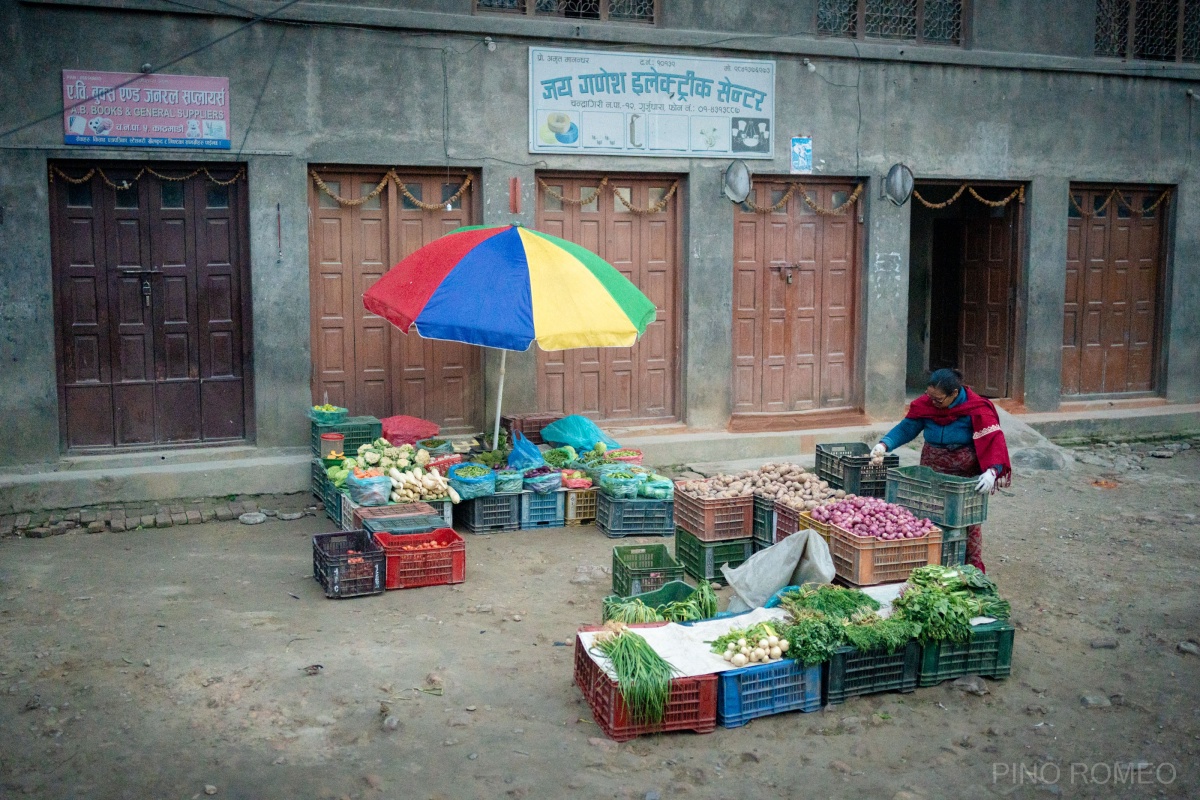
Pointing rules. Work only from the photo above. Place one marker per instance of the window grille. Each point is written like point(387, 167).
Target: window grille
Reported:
point(1152, 30)
point(920, 21)
point(602, 10)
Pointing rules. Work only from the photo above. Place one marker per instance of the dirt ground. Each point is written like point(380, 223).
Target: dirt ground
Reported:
point(170, 663)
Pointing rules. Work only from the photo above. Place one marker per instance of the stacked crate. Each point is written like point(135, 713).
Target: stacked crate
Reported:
point(711, 533)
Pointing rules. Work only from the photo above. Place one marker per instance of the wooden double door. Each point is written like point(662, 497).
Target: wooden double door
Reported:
point(630, 384)
point(1112, 315)
point(360, 361)
point(795, 309)
point(152, 298)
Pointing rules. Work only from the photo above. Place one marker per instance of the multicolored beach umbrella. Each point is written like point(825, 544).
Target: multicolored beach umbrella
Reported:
point(508, 287)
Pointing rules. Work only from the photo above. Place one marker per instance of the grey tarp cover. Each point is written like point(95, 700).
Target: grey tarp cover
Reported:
point(801, 558)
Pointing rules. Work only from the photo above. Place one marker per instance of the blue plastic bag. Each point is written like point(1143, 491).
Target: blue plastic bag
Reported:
point(525, 455)
point(469, 488)
point(578, 432)
point(369, 491)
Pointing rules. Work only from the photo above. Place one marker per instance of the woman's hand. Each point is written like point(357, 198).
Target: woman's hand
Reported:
point(987, 482)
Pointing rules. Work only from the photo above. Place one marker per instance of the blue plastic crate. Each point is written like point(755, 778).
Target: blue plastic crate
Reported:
point(617, 517)
point(491, 513)
point(543, 510)
point(764, 689)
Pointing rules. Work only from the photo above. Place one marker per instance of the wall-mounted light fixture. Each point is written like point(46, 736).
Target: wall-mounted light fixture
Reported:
point(735, 181)
point(491, 44)
point(808, 65)
point(897, 185)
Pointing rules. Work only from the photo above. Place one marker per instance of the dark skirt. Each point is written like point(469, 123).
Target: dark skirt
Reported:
point(962, 462)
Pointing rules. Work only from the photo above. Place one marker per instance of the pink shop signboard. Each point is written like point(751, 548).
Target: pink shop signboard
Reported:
point(126, 109)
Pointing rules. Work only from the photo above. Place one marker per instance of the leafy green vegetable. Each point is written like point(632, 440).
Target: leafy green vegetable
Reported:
point(813, 636)
point(835, 601)
point(643, 676)
point(940, 615)
point(868, 632)
point(559, 457)
point(630, 611)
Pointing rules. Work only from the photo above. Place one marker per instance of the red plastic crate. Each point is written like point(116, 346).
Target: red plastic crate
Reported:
point(442, 463)
point(364, 513)
point(714, 520)
point(529, 425)
point(408, 569)
point(692, 706)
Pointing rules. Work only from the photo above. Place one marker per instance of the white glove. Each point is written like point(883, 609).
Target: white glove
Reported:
point(878, 450)
point(987, 482)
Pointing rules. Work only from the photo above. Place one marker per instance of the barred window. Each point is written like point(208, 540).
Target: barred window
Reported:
point(920, 21)
point(602, 10)
point(1152, 30)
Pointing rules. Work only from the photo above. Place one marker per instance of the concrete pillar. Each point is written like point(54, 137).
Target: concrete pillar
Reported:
point(28, 374)
point(520, 372)
point(1181, 318)
point(707, 358)
point(886, 303)
point(1044, 287)
point(279, 286)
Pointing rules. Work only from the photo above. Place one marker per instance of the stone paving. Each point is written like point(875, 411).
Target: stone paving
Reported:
point(139, 516)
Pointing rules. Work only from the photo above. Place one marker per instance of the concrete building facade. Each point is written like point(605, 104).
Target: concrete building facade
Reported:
point(1079, 206)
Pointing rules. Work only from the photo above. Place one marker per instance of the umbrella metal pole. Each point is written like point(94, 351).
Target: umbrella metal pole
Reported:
point(499, 400)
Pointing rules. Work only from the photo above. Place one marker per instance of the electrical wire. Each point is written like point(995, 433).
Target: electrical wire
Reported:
point(250, 125)
point(63, 107)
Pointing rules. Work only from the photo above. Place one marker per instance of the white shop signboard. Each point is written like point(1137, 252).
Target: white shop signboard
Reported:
point(638, 104)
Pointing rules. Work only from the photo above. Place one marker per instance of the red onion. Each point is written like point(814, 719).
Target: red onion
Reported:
point(872, 517)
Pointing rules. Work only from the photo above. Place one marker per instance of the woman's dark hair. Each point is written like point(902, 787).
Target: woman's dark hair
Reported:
point(947, 381)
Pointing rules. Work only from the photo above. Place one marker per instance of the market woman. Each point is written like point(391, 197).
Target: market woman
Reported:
point(962, 437)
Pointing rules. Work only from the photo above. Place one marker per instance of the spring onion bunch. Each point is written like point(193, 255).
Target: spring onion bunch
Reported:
point(834, 601)
point(643, 676)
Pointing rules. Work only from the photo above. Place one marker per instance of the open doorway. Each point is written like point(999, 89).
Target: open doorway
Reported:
point(964, 268)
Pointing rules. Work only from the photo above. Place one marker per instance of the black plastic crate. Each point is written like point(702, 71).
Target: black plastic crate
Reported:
point(848, 467)
point(619, 517)
point(703, 560)
point(348, 564)
point(764, 523)
point(850, 672)
point(491, 513)
point(356, 430)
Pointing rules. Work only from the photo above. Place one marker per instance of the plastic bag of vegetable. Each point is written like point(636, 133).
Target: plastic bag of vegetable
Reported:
point(509, 481)
point(656, 487)
point(575, 479)
point(369, 491)
point(579, 432)
point(437, 447)
point(472, 480)
point(525, 454)
point(621, 484)
point(560, 457)
point(543, 480)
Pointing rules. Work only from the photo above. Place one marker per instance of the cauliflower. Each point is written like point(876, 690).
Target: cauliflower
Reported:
point(361, 462)
point(381, 443)
point(407, 449)
point(362, 448)
point(391, 452)
point(386, 463)
point(422, 458)
point(372, 457)
point(403, 462)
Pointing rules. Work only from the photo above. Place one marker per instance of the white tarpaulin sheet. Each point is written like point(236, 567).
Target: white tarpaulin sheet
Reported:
point(686, 647)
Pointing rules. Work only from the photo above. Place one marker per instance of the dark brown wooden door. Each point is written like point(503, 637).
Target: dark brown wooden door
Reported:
point(359, 360)
point(1114, 268)
point(636, 383)
point(986, 313)
point(152, 296)
point(795, 275)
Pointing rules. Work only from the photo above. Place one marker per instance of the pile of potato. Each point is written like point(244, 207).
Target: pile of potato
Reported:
point(789, 484)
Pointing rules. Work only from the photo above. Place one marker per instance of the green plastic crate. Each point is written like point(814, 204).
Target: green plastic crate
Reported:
point(642, 568)
point(850, 672)
point(422, 523)
point(318, 478)
point(703, 560)
point(356, 430)
point(988, 653)
point(764, 523)
point(672, 592)
point(954, 547)
point(948, 501)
